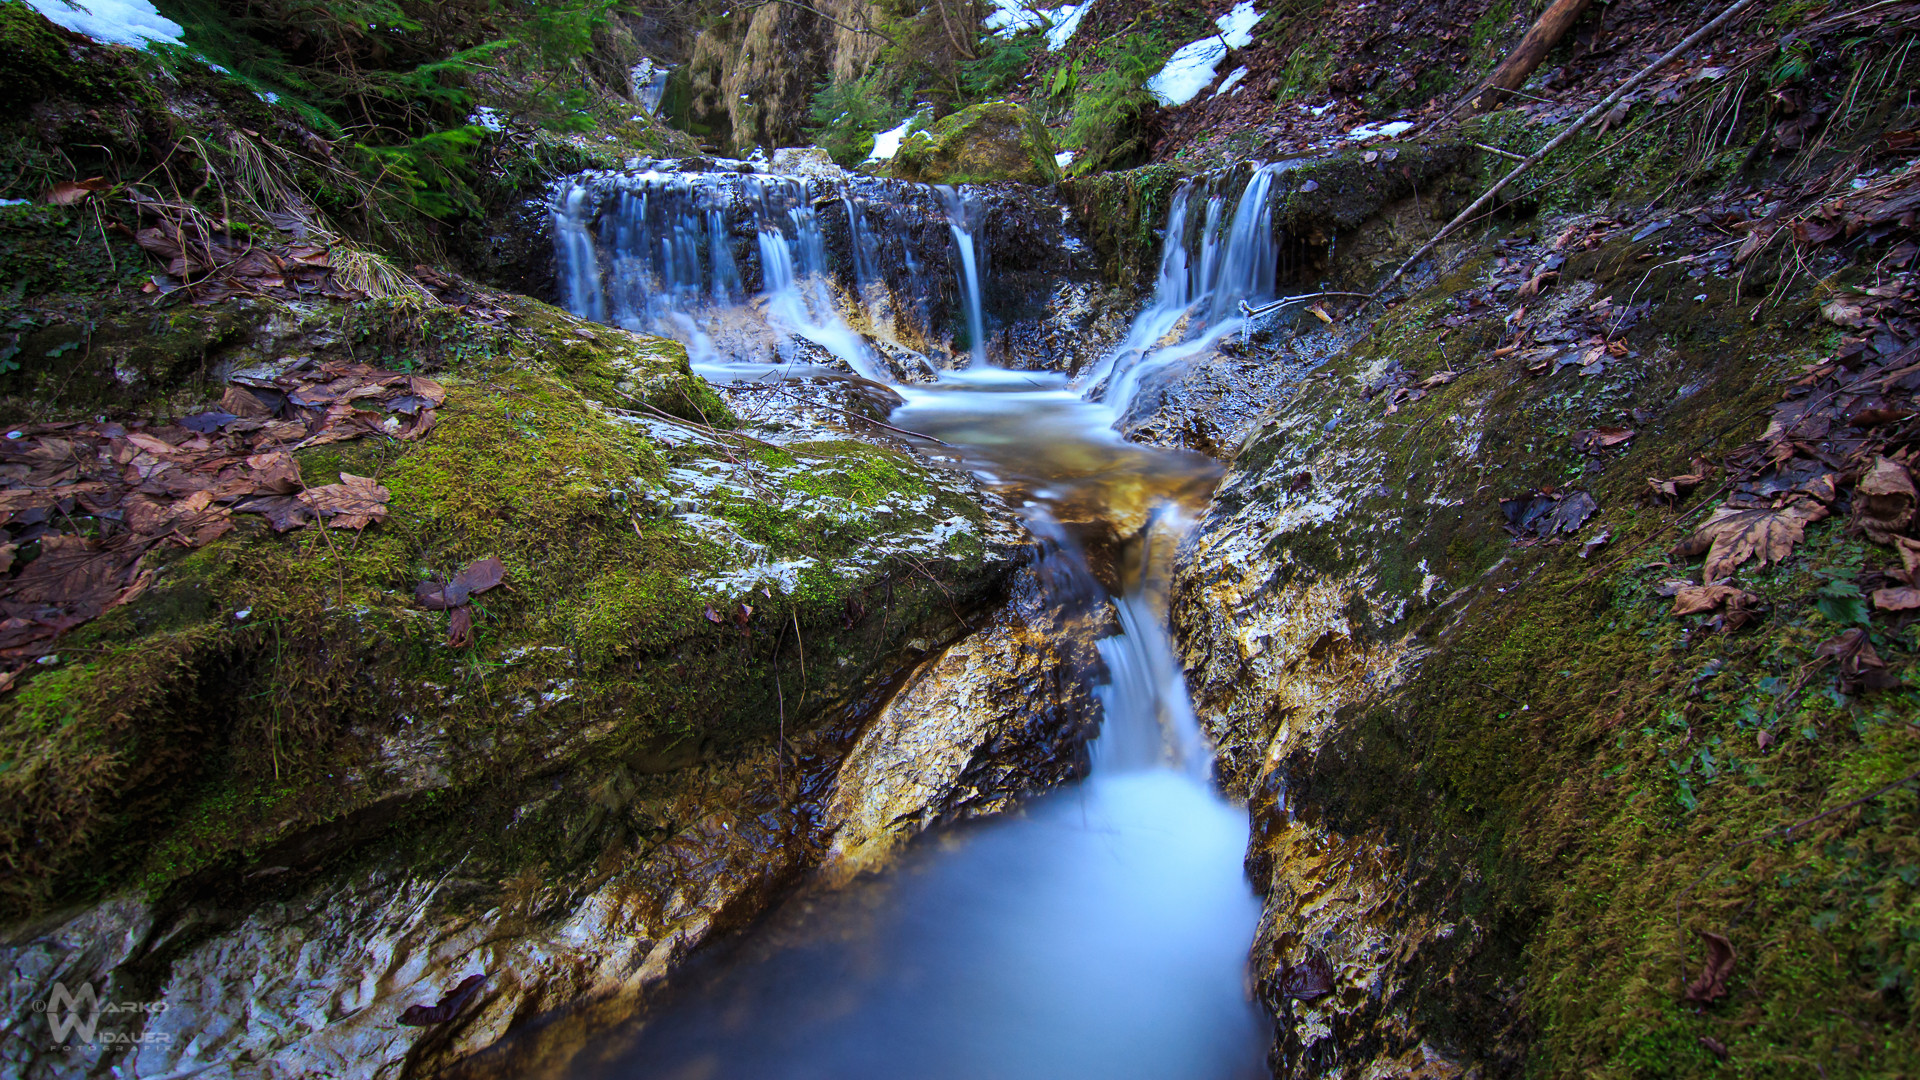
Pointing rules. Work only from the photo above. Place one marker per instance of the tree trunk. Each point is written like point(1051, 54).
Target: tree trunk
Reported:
point(1547, 31)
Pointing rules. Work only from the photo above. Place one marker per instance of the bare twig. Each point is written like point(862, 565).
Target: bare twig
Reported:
point(1600, 109)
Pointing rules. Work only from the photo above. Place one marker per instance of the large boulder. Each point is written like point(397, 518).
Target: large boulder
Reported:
point(995, 140)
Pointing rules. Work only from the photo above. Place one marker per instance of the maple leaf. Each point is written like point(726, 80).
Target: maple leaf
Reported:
point(1734, 535)
point(353, 503)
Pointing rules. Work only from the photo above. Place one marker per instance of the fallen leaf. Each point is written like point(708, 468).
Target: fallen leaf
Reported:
point(714, 616)
point(68, 192)
point(6, 557)
point(1699, 598)
point(1596, 543)
point(1884, 502)
point(1309, 980)
point(1734, 535)
point(1712, 981)
point(243, 402)
point(447, 1007)
point(1675, 488)
point(1901, 598)
point(283, 512)
point(1594, 440)
point(354, 503)
point(1570, 513)
point(480, 576)
point(1714, 1046)
point(1321, 311)
point(1852, 650)
point(460, 628)
point(274, 472)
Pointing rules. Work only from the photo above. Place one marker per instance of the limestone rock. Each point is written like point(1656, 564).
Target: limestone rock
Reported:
point(995, 140)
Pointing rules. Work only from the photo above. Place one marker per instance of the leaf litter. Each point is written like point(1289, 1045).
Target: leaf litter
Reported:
point(83, 503)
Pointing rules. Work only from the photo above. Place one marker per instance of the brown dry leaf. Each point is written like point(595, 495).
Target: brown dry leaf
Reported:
point(241, 401)
point(1698, 598)
point(460, 628)
point(1903, 598)
point(1909, 550)
point(1438, 378)
point(1884, 504)
point(1309, 980)
point(1321, 311)
point(72, 571)
point(1853, 651)
point(1712, 981)
point(1593, 440)
point(480, 576)
point(68, 192)
point(6, 557)
point(274, 472)
point(1674, 488)
point(353, 503)
point(1733, 535)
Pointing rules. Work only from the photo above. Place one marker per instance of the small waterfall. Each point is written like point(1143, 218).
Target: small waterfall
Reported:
point(962, 216)
point(1197, 300)
point(736, 263)
point(579, 266)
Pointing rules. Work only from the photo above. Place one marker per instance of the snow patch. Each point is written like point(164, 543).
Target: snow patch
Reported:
point(1063, 159)
point(134, 23)
point(1233, 80)
point(1191, 68)
point(887, 143)
point(1011, 17)
point(1374, 131)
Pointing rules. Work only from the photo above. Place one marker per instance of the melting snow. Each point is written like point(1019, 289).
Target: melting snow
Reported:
point(1233, 80)
point(887, 143)
point(1010, 17)
point(120, 22)
point(1370, 131)
point(1190, 69)
point(1063, 159)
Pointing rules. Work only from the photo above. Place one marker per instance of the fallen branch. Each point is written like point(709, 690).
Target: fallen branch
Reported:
point(1604, 106)
point(1546, 32)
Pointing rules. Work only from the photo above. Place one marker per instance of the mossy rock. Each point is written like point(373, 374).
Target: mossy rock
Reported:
point(675, 593)
point(995, 140)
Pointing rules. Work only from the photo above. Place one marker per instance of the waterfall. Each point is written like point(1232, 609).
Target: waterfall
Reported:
point(962, 214)
point(670, 267)
point(1196, 302)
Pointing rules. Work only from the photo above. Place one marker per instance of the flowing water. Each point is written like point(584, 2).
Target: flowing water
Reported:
point(1099, 931)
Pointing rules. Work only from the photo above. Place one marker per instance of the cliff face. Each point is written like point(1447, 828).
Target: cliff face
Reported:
point(753, 74)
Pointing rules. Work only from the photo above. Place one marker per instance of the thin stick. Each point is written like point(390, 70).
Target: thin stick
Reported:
point(1601, 109)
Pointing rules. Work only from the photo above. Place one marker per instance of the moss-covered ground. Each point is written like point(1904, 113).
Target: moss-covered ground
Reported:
point(666, 581)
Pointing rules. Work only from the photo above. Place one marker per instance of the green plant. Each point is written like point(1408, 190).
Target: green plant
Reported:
point(844, 115)
point(1113, 108)
point(1000, 64)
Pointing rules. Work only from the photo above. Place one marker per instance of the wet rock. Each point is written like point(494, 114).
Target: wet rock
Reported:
point(1003, 712)
point(995, 140)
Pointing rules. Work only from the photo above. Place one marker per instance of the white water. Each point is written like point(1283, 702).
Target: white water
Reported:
point(1196, 303)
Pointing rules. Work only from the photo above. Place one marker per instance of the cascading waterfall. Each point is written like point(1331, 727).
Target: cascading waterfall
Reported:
point(658, 251)
point(962, 214)
point(1197, 300)
point(1102, 932)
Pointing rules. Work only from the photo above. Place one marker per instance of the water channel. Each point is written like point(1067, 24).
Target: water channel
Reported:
point(1101, 929)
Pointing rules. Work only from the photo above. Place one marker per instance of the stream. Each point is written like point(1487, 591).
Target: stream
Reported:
point(1100, 930)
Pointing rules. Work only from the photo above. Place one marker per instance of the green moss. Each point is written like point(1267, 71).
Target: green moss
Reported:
point(645, 621)
point(994, 140)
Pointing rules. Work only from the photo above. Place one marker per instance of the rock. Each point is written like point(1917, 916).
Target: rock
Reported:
point(995, 140)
